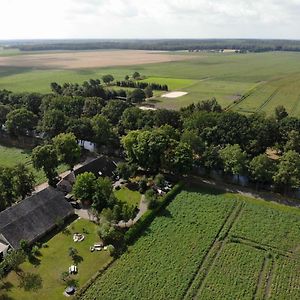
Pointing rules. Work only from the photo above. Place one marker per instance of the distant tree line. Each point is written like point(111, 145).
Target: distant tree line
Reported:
point(253, 45)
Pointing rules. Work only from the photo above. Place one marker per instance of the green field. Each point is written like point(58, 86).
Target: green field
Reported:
point(54, 260)
point(274, 75)
point(10, 156)
point(207, 245)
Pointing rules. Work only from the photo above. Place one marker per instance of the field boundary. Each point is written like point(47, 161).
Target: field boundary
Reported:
point(268, 100)
point(242, 98)
point(264, 278)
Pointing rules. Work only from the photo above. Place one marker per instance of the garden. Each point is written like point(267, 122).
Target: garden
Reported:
point(53, 260)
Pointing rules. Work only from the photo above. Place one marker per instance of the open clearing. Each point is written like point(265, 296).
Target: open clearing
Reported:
point(87, 59)
point(209, 245)
point(264, 79)
point(174, 94)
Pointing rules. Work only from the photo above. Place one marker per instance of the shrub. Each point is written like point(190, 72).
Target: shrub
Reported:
point(151, 198)
point(111, 249)
point(159, 180)
point(135, 231)
point(143, 185)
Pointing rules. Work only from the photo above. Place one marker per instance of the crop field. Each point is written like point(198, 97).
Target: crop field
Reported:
point(209, 245)
point(10, 156)
point(264, 79)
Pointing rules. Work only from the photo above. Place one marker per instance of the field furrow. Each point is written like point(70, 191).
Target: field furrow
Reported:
point(212, 254)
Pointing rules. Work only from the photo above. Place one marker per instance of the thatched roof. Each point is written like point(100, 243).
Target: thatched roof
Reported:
point(34, 216)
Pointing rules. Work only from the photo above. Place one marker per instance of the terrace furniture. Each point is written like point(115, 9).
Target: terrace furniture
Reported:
point(73, 269)
point(98, 247)
point(78, 237)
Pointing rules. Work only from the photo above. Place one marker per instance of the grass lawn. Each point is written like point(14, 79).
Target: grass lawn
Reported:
point(10, 156)
point(55, 259)
point(172, 83)
point(127, 196)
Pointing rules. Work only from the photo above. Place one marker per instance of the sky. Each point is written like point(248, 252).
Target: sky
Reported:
point(61, 19)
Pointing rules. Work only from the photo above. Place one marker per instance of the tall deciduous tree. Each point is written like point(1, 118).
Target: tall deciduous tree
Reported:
point(234, 159)
point(23, 180)
point(67, 149)
point(107, 79)
point(53, 122)
point(179, 158)
point(288, 174)
point(103, 192)
point(101, 129)
point(7, 192)
point(85, 187)
point(20, 121)
point(293, 142)
point(262, 169)
point(114, 110)
point(137, 96)
point(45, 158)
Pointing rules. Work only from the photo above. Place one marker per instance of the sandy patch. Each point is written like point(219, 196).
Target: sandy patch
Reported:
point(174, 94)
point(89, 59)
point(147, 108)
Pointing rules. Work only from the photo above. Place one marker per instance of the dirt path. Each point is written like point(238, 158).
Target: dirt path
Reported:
point(267, 196)
point(44, 185)
point(143, 207)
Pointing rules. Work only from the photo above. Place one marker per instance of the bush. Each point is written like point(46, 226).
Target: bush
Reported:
point(111, 249)
point(151, 198)
point(135, 231)
point(109, 234)
point(143, 185)
point(159, 180)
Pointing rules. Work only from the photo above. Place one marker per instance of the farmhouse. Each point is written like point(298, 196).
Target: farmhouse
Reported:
point(101, 166)
point(32, 218)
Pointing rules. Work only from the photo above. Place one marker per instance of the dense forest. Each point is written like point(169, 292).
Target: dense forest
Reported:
point(253, 45)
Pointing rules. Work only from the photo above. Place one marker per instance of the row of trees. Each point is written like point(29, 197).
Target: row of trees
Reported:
point(142, 85)
point(94, 88)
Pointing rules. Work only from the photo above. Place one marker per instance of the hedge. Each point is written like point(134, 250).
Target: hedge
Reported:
point(84, 288)
point(137, 229)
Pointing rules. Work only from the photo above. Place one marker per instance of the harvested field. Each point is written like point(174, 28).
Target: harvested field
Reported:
point(88, 59)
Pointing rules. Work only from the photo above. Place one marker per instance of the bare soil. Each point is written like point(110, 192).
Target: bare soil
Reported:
point(89, 59)
point(174, 94)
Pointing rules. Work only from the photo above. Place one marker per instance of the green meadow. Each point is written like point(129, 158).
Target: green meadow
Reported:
point(270, 78)
point(10, 156)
